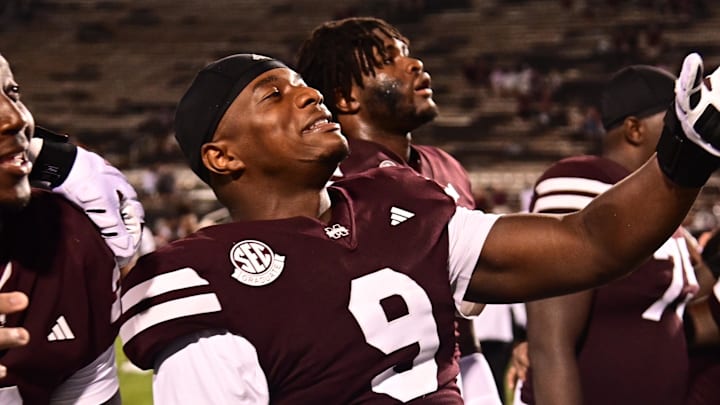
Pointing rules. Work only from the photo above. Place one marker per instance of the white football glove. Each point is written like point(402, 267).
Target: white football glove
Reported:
point(697, 102)
point(107, 198)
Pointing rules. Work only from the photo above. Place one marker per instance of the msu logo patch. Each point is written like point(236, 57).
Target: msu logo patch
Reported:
point(255, 263)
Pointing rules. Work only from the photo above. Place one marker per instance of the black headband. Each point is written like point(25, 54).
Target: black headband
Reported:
point(210, 95)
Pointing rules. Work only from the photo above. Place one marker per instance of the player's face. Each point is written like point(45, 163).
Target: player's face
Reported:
point(16, 127)
point(399, 96)
point(284, 127)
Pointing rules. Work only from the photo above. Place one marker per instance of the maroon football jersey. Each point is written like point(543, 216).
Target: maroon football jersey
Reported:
point(356, 311)
point(705, 364)
point(53, 253)
point(633, 350)
point(429, 161)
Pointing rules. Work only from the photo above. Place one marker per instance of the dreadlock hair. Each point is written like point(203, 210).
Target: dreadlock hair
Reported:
point(340, 52)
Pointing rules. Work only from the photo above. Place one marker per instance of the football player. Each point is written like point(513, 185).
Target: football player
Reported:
point(702, 326)
point(595, 346)
point(60, 267)
point(379, 94)
point(348, 293)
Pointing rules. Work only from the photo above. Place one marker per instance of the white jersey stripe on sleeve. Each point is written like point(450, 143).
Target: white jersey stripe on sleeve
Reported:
point(161, 284)
point(188, 306)
point(572, 184)
point(563, 202)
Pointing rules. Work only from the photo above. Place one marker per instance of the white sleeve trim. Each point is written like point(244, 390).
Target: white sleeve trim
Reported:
point(561, 202)
point(93, 384)
point(211, 367)
point(567, 193)
point(167, 311)
point(467, 230)
point(161, 284)
point(571, 184)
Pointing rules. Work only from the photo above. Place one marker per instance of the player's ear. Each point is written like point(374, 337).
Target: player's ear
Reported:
point(220, 159)
point(633, 131)
point(347, 105)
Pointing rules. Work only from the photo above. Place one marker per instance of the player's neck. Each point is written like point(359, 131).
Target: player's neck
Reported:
point(625, 159)
point(311, 204)
point(398, 144)
point(397, 141)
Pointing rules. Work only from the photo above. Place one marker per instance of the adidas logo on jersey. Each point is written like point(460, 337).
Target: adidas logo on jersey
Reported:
point(399, 215)
point(61, 330)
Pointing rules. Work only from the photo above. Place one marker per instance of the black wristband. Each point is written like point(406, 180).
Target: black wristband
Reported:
point(682, 160)
point(53, 164)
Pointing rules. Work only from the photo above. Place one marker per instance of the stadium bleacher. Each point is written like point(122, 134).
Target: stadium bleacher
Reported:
point(109, 72)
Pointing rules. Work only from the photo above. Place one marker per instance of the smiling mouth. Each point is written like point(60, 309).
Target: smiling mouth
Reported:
point(17, 163)
point(321, 125)
point(316, 125)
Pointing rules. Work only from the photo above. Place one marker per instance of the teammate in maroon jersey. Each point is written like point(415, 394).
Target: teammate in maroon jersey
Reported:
point(379, 94)
point(705, 354)
point(54, 255)
point(594, 346)
point(333, 294)
point(703, 330)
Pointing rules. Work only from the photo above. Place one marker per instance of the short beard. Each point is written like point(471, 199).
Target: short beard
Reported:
point(386, 100)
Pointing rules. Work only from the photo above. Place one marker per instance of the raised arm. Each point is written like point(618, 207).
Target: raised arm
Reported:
point(535, 256)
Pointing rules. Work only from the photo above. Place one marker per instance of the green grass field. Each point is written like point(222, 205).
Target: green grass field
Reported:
point(135, 384)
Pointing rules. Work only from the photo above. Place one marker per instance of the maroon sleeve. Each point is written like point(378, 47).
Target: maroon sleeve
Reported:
point(59, 259)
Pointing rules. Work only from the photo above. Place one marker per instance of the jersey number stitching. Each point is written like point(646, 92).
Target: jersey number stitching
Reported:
point(675, 250)
point(417, 326)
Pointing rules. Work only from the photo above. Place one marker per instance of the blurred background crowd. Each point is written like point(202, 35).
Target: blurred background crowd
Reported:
point(517, 81)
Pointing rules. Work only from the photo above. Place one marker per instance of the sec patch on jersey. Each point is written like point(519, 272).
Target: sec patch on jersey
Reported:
point(255, 263)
